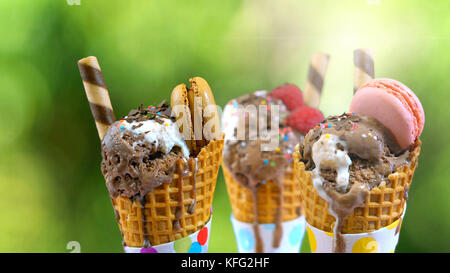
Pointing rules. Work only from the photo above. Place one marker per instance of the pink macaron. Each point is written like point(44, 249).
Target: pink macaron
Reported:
point(394, 105)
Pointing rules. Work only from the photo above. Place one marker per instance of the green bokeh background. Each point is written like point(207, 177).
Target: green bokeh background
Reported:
point(51, 187)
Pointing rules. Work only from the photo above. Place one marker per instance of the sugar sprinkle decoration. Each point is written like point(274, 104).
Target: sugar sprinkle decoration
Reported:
point(156, 113)
point(266, 161)
point(122, 128)
point(264, 181)
point(272, 164)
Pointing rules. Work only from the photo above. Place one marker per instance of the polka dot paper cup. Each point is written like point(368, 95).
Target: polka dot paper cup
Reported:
point(293, 232)
point(383, 240)
point(195, 243)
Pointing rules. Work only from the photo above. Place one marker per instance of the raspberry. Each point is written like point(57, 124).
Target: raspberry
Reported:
point(290, 94)
point(304, 118)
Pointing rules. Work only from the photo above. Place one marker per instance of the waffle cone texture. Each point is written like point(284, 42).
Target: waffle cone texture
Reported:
point(383, 205)
point(268, 195)
point(171, 201)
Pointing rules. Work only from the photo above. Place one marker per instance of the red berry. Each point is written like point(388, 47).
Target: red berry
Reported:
point(304, 118)
point(290, 94)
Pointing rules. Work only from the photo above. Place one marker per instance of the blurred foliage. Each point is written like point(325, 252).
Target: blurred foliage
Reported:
point(50, 150)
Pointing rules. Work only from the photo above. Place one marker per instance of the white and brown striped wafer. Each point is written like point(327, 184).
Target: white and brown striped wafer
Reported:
point(364, 67)
point(97, 94)
point(316, 76)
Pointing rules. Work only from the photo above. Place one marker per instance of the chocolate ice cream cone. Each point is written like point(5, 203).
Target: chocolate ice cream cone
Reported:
point(168, 213)
point(161, 188)
point(384, 205)
point(261, 182)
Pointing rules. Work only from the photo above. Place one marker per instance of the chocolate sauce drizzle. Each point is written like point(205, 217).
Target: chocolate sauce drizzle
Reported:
point(259, 247)
point(142, 202)
point(182, 169)
point(278, 232)
point(193, 165)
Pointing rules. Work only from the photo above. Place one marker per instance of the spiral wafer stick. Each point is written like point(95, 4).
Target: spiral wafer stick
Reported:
point(97, 94)
point(316, 76)
point(364, 67)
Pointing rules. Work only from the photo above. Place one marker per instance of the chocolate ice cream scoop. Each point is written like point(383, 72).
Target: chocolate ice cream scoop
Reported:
point(248, 155)
point(252, 167)
point(141, 151)
point(372, 149)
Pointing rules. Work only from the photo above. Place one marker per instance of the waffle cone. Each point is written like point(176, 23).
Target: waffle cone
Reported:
point(383, 205)
point(162, 205)
point(268, 196)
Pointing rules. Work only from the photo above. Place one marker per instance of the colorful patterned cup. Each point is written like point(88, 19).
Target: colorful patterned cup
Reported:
point(291, 240)
point(195, 243)
point(383, 240)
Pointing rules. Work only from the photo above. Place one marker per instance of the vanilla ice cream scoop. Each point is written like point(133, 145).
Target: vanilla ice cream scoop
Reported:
point(141, 151)
point(329, 152)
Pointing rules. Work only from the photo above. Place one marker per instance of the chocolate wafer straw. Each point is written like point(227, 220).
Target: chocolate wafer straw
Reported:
point(364, 67)
point(97, 94)
point(316, 76)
